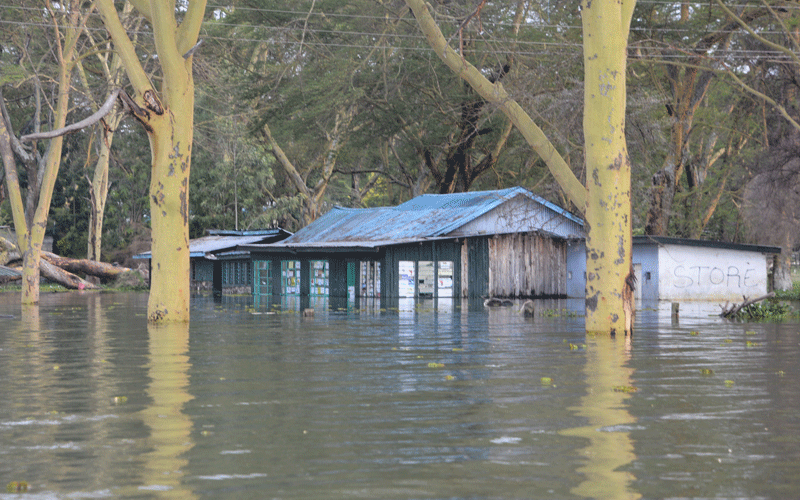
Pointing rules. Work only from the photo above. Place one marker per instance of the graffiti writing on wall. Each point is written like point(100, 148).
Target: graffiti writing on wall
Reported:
point(699, 276)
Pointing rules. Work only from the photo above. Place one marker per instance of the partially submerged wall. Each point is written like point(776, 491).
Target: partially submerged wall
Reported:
point(699, 273)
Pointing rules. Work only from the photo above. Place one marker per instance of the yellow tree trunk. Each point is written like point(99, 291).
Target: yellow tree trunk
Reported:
point(609, 277)
point(30, 239)
point(606, 200)
point(170, 144)
point(98, 197)
point(168, 118)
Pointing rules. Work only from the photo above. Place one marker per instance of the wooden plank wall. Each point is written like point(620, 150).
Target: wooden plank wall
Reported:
point(527, 265)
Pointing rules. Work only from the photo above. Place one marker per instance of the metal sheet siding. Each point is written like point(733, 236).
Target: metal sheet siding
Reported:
point(478, 255)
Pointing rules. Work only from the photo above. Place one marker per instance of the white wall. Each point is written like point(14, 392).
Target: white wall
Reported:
point(698, 273)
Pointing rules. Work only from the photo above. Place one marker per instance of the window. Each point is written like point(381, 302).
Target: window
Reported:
point(320, 283)
point(290, 277)
point(370, 279)
point(444, 279)
point(407, 278)
point(262, 278)
point(427, 280)
point(432, 279)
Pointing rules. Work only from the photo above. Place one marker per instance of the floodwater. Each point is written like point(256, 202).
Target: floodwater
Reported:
point(418, 401)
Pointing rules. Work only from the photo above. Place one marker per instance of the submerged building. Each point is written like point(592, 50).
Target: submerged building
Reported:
point(684, 269)
point(503, 243)
point(507, 243)
point(218, 264)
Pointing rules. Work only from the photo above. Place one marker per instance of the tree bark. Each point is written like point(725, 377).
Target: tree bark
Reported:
point(168, 118)
point(606, 201)
point(62, 277)
point(609, 281)
point(30, 235)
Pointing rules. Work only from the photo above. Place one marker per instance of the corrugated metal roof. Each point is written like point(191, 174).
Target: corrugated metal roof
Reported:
point(424, 217)
point(226, 240)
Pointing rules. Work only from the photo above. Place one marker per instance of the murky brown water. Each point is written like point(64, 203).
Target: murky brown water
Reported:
point(427, 401)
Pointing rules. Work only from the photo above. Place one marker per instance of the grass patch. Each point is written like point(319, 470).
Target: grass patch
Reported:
point(793, 294)
point(43, 288)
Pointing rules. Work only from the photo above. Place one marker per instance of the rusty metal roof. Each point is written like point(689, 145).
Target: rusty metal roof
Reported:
point(424, 217)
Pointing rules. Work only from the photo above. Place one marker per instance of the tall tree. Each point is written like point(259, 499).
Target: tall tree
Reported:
point(691, 46)
point(606, 198)
point(168, 117)
point(30, 218)
point(110, 65)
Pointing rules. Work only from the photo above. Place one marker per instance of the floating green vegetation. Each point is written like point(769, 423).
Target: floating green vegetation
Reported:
point(449, 377)
point(729, 383)
point(435, 365)
point(17, 487)
point(707, 371)
point(625, 388)
point(694, 333)
point(118, 400)
point(559, 313)
point(771, 310)
point(750, 343)
point(546, 381)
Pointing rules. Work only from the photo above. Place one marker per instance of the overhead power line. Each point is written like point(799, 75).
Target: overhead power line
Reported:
point(522, 47)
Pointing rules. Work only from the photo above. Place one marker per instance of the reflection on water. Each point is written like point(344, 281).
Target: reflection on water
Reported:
point(610, 447)
point(427, 399)
point(170, 428)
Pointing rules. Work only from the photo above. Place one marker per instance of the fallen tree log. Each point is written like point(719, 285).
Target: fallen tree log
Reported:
point(62, 269)
point(8, 251)
point(8, 279)
point(62, 277)
point(729, 312)
point(101, 270)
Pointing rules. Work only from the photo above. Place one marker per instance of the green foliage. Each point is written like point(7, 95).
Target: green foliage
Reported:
point(130, 281)
point(793, 294)
point(764, 311)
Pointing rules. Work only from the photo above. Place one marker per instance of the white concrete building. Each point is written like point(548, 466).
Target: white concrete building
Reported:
point(682, 269)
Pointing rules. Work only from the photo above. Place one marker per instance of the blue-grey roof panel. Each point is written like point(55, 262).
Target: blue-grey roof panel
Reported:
point(426, 216)
point(223, 240)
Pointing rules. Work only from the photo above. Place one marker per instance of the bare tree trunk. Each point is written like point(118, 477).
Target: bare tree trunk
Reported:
point(168, 118)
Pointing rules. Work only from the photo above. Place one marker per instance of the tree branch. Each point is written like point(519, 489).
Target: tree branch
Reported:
point(495, 93)
point(287, 165)
point(189, 29)
point(86, 122)
point(123, 44)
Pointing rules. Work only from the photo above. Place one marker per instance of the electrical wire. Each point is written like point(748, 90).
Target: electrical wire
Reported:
point(528, 48)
